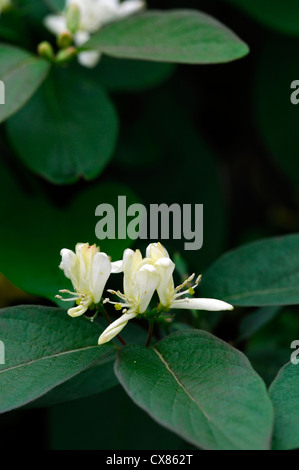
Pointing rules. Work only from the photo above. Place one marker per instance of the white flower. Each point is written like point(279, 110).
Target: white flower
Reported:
point(140, 282)
point(89, 270)
point(174, 297)
point(93, 15)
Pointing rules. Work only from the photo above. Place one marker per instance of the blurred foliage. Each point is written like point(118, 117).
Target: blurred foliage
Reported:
point(94, 414)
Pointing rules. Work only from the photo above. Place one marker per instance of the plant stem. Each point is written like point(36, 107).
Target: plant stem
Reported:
point(150, 333)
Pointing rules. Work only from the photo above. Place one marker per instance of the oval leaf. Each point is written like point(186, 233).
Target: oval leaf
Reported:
point(95, 379)
point(189, 381)
point(182, 36)
point(22, 74)
point(258, 274)
point(43, 349)
point(284, 393)
point(80, 132)
point(130, 75)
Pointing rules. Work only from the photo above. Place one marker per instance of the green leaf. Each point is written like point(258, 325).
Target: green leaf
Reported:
point(89, 382)
point(284, 393)
point(95, 379)
point(36, 230)
point(182, 36)
point(22, 74)
point(201, 388)
point(262, 273)
point(44, 348)
point(278, 118)
point(130, 75)
point(80, 132)
point(275, 14)
point(101, 431)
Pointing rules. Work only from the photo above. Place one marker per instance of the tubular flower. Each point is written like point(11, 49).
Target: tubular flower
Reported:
point(140, 282)
point(172, 297)
point(89, 270)
point(93, 15)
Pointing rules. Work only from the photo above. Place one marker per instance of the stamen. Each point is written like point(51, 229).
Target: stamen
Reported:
point(190, 278)
point(67, 300)
point(118, 293)
point(190, 290)
point(66, 291)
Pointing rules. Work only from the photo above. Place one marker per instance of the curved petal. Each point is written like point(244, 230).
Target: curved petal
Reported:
point(81, 37)
point(115, 327)
point(77, 311)
point(117, 266)
point(165, 289)
point(89, 59)
point(156, 251)
point(212, 305)
point(130, 7)
point(56, 24)
point(68, 265)
point(147, 280)
point(101, 270)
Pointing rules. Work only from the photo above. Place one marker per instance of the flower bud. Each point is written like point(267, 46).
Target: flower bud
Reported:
point(73, 18)
point(65, 40)
point(65, 55)
point(45, 50)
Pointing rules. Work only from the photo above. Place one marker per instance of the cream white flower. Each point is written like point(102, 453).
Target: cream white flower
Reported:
point(89, 270)
point(140, 282)
point(175, 297)
point(94, 14)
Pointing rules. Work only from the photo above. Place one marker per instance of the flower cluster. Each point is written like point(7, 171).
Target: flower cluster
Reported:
point(82, 18)
point(89, 269)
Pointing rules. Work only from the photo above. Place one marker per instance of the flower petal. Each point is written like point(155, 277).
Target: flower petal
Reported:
point(147, 280)
point(117, 266)
point(130, 7)
point(101, 269)
point(68, 265)
point(81, 37)
point(115, 327)
point(77, 311)
point(156, 251)
point(56, 24)
point(165, 289)
point(212, 305)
